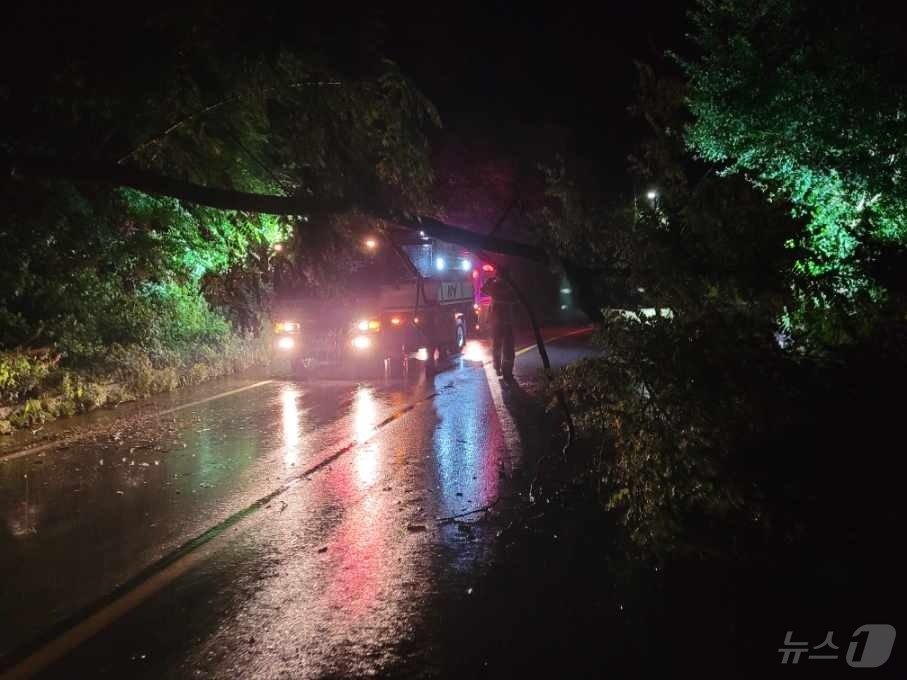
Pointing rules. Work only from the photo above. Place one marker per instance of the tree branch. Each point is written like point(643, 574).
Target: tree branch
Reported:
point(468, 239)
point(160, 135)
point(176, 125)
point(229, 199)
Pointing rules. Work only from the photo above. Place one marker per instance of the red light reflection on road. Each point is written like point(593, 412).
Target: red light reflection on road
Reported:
point(359, 546)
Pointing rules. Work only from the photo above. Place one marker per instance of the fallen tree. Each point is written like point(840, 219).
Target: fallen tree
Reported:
point(229, 199)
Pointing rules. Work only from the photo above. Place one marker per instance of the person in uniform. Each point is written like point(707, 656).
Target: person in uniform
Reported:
point(501, 315)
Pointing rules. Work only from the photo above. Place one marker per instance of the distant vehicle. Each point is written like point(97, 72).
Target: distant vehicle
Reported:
point(414, 298)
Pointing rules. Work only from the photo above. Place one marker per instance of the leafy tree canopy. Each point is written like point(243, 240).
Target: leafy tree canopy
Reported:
point(254, 102)
point(807, 100)
point(188, 91)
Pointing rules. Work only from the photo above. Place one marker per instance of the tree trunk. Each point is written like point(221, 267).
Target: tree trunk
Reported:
point(228, 199)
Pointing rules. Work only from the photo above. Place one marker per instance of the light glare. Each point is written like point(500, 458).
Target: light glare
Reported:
point(474, 351)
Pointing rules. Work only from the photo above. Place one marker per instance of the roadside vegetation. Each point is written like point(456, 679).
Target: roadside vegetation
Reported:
point(104, 299)
point(767, 232)
point(108, 293)
point(752, 418)
point(741, 433)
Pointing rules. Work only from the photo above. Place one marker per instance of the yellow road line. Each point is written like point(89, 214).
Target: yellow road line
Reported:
point(4, 457)
point(103, 618)
point(162, 573)
point(197, 550)
point(529, 348)
point(211, 398)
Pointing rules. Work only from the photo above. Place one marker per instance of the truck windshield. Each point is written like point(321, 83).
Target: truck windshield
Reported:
point(435, 259)
point(383, 266)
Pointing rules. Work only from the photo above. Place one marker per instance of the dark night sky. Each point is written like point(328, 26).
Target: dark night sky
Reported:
point(549, 65)
point(486, 66)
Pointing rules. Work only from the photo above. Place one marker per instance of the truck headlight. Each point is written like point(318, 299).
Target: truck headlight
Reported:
point(285, 343)
point(362, 342)
point(369, 325)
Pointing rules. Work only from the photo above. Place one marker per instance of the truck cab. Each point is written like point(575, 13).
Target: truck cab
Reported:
point(414, 298)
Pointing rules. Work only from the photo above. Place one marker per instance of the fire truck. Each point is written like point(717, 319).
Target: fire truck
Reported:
point(413, 297)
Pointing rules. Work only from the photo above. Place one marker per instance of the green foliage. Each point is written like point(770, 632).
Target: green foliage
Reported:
point(140, 294)
point(21, 375)
point(124, 373)
point(706, 439)
point(794, 97)
point(729, 421)
point(683, 393)
point(84, 268)
point(78, 394)
point(122, 267)
point(706, 243)
point(31, 414)
point(689, 407)
point(678, 407)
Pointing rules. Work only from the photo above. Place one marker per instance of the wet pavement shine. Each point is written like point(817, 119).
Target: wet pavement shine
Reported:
point(286, 529)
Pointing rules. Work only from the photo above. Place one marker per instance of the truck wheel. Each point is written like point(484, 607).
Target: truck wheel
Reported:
point(461, 337)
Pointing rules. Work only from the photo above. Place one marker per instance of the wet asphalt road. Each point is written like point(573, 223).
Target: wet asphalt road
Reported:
point(289, 529)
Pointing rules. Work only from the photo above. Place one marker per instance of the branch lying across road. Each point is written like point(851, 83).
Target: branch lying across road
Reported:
point(470, 239)
point(484, 508)
point(161, 185)
point(229, 199)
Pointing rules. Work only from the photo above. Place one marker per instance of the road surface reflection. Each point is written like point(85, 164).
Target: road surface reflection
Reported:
point(362, 546)
point(290, 417)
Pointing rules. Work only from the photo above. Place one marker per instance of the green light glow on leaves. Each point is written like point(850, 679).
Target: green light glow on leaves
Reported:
point(788, 95)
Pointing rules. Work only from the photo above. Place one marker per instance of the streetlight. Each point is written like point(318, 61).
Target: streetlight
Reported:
point(652, 195)
point(371, 243)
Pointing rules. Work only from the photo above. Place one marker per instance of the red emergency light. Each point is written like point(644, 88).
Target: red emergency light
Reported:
point(487, 268)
